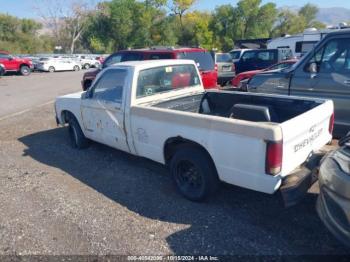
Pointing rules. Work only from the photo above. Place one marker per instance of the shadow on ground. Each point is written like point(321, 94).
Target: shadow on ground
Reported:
point(235, 221)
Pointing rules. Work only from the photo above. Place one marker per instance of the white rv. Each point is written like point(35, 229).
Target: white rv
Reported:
point(302, 43)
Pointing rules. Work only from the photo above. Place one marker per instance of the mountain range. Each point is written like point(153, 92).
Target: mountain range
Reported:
point(328, 16)
point(333, 15)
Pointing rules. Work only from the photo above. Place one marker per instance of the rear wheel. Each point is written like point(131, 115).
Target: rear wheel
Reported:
point(194, 173)
point(24, 70)
point(76, 68)
point(77, 137)
point(51, 69)
point(86, 66)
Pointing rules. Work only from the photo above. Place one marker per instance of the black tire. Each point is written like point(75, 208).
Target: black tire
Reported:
point(193, 173)
point(52, 69)
point(76, 68)
point(86, 66)
point(24, 70)
point(76, 135)
point(87, 84)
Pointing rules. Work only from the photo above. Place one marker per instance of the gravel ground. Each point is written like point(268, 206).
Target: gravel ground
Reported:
point(55, 200)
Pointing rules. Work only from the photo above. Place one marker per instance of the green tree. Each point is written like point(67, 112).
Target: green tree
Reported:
point(289, 22)
point(309, 12)
point(222, 26)
point(22, 36)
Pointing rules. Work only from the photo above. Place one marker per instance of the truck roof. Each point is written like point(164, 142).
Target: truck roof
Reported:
point(339, 32)
point(154, 63)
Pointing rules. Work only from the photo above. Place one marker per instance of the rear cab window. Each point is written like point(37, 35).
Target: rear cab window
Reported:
point(203, 59)
point(223, 58)
point(165, 79)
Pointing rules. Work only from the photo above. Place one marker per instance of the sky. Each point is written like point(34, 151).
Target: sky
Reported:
point(25, 8)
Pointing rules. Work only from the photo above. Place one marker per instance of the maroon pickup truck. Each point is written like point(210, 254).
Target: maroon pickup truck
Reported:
point(201, 56)
point(15, 64)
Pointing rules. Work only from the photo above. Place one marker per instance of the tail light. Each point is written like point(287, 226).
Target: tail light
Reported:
point(216, 67)
point(233, 67)
point(331, 124)
point(274, 154)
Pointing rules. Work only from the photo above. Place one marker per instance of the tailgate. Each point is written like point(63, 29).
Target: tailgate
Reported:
point(305, 134)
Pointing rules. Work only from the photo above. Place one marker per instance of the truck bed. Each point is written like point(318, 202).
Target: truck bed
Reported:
point(221, 104)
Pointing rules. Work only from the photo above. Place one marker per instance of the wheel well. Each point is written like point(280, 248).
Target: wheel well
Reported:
point(173, 143)
point(66, 115)
point(23, 65)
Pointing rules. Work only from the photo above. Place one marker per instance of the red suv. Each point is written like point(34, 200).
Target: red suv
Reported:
point(14, 64)
point(201, 56)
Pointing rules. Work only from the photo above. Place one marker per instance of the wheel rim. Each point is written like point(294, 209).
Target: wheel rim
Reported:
point(25, 70)
point(188, 178)
point(51, 69)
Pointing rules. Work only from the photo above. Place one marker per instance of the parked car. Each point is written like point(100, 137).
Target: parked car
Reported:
point(88, 61)
point(333, 203)
point(15, 64)
point(324, 72)
point(159, 110)
point(201, 56)
point(2, 70)
point(236, 54)
point(261, 58)
point(249, 74)
point(225, 67)
point(58, 64)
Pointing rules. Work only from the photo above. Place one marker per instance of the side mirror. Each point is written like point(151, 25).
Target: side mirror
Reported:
point(313, 68)
point(85, 95)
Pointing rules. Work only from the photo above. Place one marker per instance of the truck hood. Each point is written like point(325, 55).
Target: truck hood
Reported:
point(91, 73)
point(71, 96)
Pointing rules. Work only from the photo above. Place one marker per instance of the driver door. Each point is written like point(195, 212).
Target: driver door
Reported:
point(331, 81)
point(102, 109)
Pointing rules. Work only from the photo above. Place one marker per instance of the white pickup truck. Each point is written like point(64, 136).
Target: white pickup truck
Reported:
point(159, 110)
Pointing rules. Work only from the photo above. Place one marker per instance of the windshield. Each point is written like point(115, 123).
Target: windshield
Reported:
point(203, 59)
point(235, 54)
point(166, 78)
point(223, 58)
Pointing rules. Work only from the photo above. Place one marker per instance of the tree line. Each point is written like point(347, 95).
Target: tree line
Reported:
point(121, 24)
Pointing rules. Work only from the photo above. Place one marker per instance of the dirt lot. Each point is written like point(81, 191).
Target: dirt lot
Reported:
point(57, 200)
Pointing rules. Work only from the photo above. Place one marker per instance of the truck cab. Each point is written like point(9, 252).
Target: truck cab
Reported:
point(324, 72)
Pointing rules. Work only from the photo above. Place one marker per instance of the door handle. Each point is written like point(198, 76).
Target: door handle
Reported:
point(347, 82)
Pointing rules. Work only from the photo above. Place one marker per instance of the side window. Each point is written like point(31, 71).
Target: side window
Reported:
point(110, 86)
point(248, 56)
point(112, 60)
point(132, 57)
point(335, 57)
point(266, 56)
point(160, 56)
point(4, 56)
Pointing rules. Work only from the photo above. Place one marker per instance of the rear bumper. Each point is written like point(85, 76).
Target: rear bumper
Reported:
point(295, 186)
point(224, 79)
